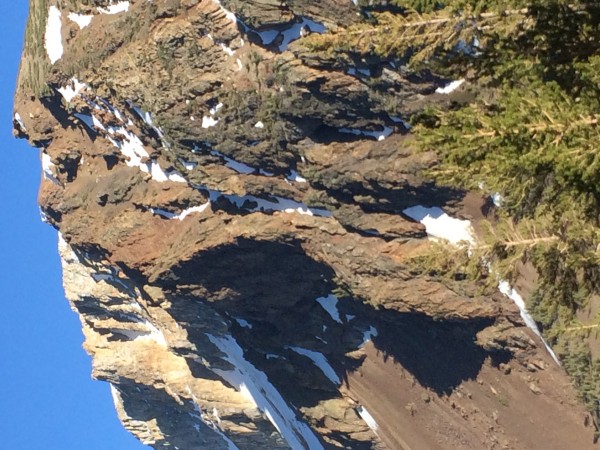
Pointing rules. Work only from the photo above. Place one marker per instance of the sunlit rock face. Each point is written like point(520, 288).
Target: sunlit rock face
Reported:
point(237, 218)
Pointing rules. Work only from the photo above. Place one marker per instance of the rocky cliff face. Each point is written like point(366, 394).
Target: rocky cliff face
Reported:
point(236, 239)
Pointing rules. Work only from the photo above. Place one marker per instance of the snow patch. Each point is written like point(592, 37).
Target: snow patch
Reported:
point(259, 124)
point(450, 87)
point(254, 384)
point(183, 214)
point(440, 225)
point(239, 167)
point(294, 176)
point(280, 204)
point(231, 16)
point(209, 121)
point(243, 323)
point(368, 418)
point(83, 20)
point(228, 50)
point(145, 116)
point(53, 36)
point(115, 8)
point(151, 333)
point(72, 89)
point(47, 166)
point(369, 335)
point(20, 121)
point(291, 33)
point(320, 361)
point(505, 288)
point(215, 109)
point(329, 304)
point(115, 394)
point(189, 165)
point(356, 71)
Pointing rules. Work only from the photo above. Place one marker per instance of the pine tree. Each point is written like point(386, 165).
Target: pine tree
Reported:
point(532, 134)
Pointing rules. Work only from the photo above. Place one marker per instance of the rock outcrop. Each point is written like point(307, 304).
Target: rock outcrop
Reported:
point(232, 229)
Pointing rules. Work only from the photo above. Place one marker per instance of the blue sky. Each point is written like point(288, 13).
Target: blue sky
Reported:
point(47, 398)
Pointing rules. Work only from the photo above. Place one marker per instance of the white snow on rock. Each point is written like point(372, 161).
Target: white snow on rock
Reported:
point(369, 335)
point(83, 20)
point(150, 333)
point(20, 121)
point(209, 121)
point(254, 384)
point(320, 361)
point(47, 166)
point(86, 119)
point(440, 225)
point(115, 8)
point(53, 36)
point(294, 176)
point(231, 16)
point(131, 146)
point(291, 33)
point(356, 71)
point(183, 214)
point(228, 50)
point(98, 123)
point(279, 204)
point(133, 149)
point(450, 87)
point(72, 89)
point(145, 116)
point(115, 395)
point(329, 304)
point(160, 175)
point(368, 418)
point(243, 323)
point(239, 167)
point(100, 276)
point(505, 288)
point(189, 165)
point(215, 109)
point(245, 169)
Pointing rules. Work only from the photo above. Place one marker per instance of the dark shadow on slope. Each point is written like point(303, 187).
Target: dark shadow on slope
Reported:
point(180, 422)
point(390, 199)
point(439, 354)
point(253, 277)
point(54, 104)
point(264, 295)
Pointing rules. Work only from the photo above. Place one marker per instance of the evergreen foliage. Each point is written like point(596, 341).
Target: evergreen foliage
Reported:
point(533, 135)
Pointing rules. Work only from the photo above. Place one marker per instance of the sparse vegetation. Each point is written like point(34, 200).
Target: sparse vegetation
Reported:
point(35, 64)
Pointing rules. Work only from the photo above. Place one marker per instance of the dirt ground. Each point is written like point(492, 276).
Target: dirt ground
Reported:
point(504, 408)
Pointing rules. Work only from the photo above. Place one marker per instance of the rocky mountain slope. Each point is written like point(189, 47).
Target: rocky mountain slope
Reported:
point(237, 217)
